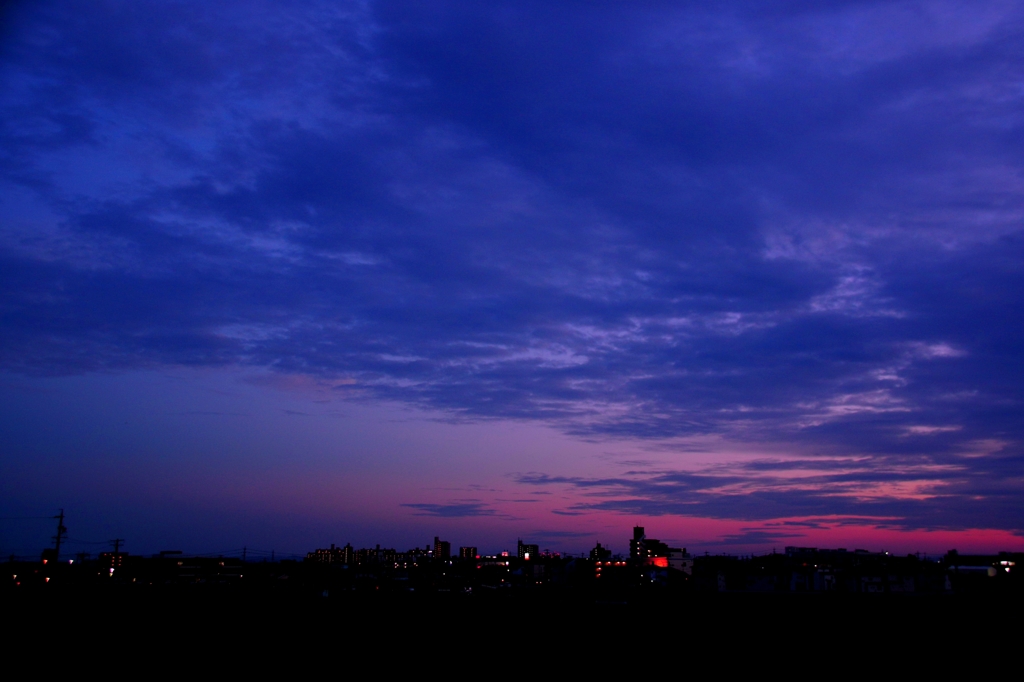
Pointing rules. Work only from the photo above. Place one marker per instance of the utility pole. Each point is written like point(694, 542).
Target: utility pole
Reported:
point(243, 554)
point(61, 533)
point(115, 560)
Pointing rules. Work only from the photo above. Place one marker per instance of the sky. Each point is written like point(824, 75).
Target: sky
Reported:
point(278, 275)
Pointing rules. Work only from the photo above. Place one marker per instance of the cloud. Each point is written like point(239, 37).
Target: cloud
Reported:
point(754, 536)
point(454, 510)
point(886, 492)
point(790, 225)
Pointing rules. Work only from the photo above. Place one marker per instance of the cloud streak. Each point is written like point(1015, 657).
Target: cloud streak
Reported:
point(884, 492)
point(454, 510)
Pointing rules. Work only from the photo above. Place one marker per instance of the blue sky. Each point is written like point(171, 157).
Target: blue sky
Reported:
point(726, 269)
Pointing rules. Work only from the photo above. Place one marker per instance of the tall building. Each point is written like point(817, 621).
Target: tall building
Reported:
point(644, 548)
point(442, 549)
point(467, 552)
point(528, 552)
point(637, 543)
point(600, 553)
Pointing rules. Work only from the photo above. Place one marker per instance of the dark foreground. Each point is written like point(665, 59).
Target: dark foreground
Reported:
point(804, 613)
point(402, 635)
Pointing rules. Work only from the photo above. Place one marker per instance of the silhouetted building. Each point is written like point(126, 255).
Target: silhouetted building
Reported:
point(648, 550)
point(442, 549)
point(653, 567)
point(112, 560)
point(375, 555)
point(335, 555)
point(414, 556)
point(527, 552)
point(614, 571)
point(386, 555)
point(966, 572)
point(680, 560)
point(205, 570)
point(636, 544)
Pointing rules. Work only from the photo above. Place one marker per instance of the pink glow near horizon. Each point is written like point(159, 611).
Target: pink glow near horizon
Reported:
point(368, 473)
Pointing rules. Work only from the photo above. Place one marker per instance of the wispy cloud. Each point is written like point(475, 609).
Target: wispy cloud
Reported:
point(454, 510)
point(870, 490)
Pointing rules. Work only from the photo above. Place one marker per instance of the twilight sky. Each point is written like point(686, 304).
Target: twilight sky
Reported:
point(280, 275)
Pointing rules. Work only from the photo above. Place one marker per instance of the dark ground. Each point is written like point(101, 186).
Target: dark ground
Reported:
point(409, 635)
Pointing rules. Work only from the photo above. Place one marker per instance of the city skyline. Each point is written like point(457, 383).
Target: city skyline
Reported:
point(280, 276)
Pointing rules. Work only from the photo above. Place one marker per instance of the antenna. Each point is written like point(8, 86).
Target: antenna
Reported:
point(61, 533)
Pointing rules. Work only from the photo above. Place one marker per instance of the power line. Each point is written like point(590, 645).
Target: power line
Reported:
point(86, 542)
